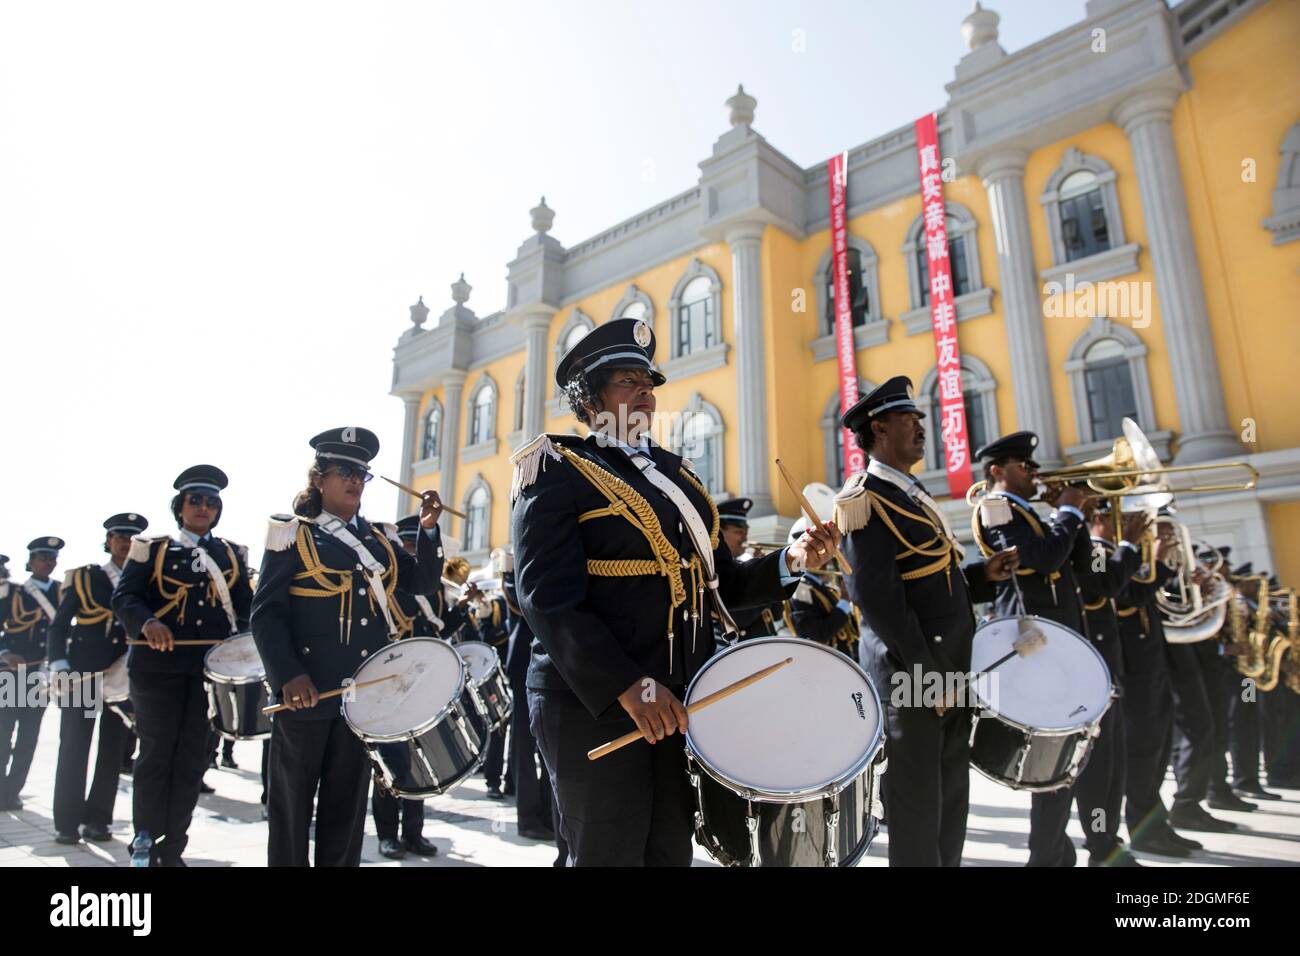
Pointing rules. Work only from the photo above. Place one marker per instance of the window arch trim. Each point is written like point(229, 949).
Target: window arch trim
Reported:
point(1121, 258)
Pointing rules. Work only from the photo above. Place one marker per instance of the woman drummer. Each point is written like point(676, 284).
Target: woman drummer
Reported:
point(322, 606)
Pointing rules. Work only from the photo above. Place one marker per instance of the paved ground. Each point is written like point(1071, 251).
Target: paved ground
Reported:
point(471, 830)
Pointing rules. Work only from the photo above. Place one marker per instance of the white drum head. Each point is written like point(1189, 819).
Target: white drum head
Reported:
point(117, 684)
point(234, 661)
point(1063, 685)
point(814, 723)
point(429, 677)
point(480, 658)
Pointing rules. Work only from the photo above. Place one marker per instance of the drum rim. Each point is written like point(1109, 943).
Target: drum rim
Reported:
point(127, 696)
point(1044, 731)
point(426, 726)
point(215, 678)
point(827, 788)
point(489, 675)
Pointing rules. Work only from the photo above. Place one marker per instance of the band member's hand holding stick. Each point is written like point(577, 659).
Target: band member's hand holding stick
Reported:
point(829, 535)
point(157, 635)
point(431, 502)
point(672, 707)
point(1001, 565)
point(297, 699)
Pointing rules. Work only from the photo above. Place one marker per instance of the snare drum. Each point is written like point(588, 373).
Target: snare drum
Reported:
point(426, 730)
point(1037, 716)
point(489, 679)
point(786, 772)
point(117, 691)
point(237, 691)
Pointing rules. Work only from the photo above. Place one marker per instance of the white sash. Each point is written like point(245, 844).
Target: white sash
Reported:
point(427, 608)
point(694, 526)
point(189, 539)
point(374, 570)
point(113, 571)
point(34, 591)
point(913, 490)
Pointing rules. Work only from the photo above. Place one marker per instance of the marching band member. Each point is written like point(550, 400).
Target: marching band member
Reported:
point(88, 647)
point(26, 613)
point(733, 519)
point(619, 565)
point(1245, 734)
point(192, 588)
point(1046, 579)
point(323, 603)
point(1103, 568)
point(818, 612)
point(916, 602)
point(1281, 717)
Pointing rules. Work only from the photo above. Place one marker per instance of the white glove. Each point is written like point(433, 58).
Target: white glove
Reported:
point(60, 665)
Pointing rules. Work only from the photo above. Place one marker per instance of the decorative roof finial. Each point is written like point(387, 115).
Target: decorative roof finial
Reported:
point(742, 107)
point(543, 216)
point(460, 290)
point(980, 27)
point(419, 312)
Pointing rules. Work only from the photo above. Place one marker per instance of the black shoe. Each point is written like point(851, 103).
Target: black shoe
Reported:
point(1256, 792)
point(1230, 801)
point(508, 790)
point(1193, 817)
point(204, 788)
point(1118, 856)
point(421, 847)
point(13, 803)
point(537, 833)
point(1160, 843)
point(494, 793)
point(391, 849)
point(67, 838)
point(1183, 841)
point(229, 763)
point(128, 768)
point(99, 834)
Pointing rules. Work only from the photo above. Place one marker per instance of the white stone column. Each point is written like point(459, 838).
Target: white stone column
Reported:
point(1003, 175)
point(410, 427)
point(1206, 432)
point(745, 240)
point(453, 384)
point(536, 373)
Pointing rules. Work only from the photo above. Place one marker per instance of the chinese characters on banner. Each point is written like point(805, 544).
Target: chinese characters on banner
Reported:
point(943, 315)
point(837, 171)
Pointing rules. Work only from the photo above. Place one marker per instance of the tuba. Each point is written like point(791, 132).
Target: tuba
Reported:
point(1192, 611)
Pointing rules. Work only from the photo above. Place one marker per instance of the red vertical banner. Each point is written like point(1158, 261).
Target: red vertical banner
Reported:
point(837, 171)
point(943, 314)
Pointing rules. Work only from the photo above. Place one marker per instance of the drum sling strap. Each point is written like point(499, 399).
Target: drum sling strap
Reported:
point(37, 595)
point(215, 574)
point(427, 608)
point(1034, 524)
point(373, 569)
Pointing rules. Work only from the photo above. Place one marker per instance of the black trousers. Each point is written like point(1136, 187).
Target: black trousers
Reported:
point(310, 754)
point(1281, 741)
point(1244, 722)
point(72, 807)
point(632, 808)
point(1193, 736)
point(1049, 815)
point(494, 762)
point(171, 720)
point(532, 783)
point(926, 790)
point(1099, 791)
point(387, 808)
point(1220, 679)
point(20, 727)
point(1148, 717)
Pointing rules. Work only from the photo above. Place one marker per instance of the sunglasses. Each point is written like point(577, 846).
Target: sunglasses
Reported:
point(195, 500)
point(348, 472)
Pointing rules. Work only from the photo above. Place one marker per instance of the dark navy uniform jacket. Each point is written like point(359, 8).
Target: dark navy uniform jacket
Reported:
point(520, 649)
point(97, 638)
point(816, 616)
point(164, 579)
point(1141, 628)
point(927, 619)
point(598, 568)
point(314, 612)
point(26, 625)
point(1099, 589)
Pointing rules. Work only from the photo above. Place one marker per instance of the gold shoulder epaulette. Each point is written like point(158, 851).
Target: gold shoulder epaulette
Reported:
point(853, 504)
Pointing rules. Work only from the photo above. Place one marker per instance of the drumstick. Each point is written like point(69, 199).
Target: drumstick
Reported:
point(333, 693)
point(176, 643)
point(812, 515)
point(699, 705)
point(411, 491)
point(1030, 640)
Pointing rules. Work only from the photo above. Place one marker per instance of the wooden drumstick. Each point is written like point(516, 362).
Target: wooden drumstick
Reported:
point(177, 643)
point(274, 708)
point(411, 491)
point(812, 515)
point(699, 705)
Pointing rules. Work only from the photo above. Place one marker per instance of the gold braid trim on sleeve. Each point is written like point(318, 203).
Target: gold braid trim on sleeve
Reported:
point(89, 611)
point(329, 582)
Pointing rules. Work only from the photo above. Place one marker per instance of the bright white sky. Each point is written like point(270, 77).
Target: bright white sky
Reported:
point(213, 216)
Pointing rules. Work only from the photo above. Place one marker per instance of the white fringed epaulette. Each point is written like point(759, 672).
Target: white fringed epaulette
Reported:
point(390, 532)
point(803, 593)
point(853, 504)
point(995, 512)
point(529, 461)
point(142, 545)
point(281, 531)
point(4, 589)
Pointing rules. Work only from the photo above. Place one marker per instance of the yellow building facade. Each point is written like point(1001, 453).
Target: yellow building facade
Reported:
point(1147, 158)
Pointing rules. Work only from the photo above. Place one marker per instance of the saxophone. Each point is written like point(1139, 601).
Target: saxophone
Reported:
point(1242, 647)
point(1291, 662)
point(1267, 647)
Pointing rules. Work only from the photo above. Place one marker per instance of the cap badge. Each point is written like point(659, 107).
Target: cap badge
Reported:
point(641, 334)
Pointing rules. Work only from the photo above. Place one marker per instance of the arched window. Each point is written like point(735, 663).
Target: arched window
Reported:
point(957, 264)
point(634, 310)
point(432, 430)
point(977, 430)
point(979, 389)
point(973, 299)
point(478, 507)
point(482, 414)
point(635, 304)
point(1083, 217)
point(859, 293)
point(571, 333)
point(574, 336)
point(696, 311)
point(1109, 383)
point(698, 434)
